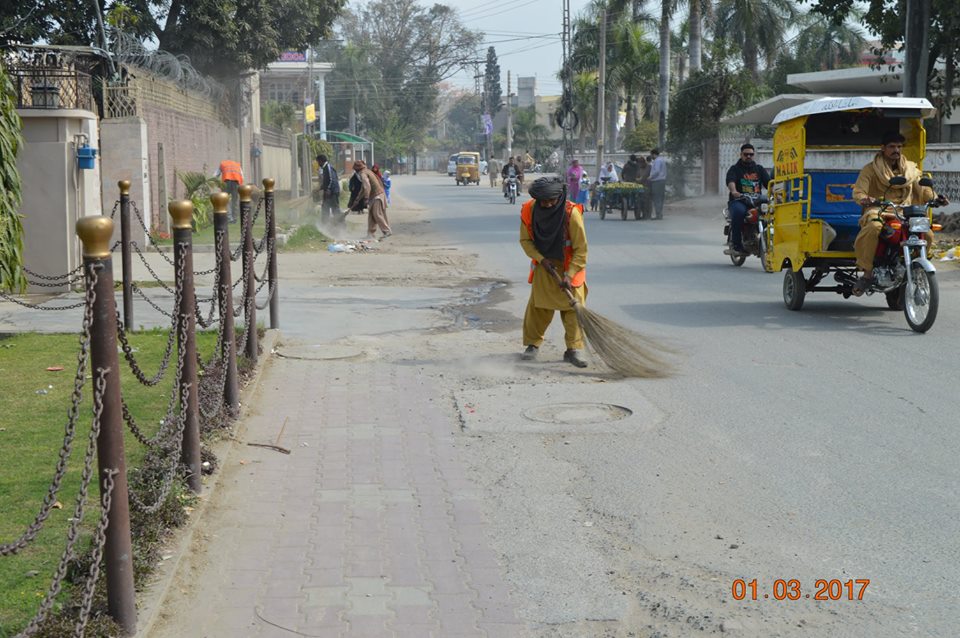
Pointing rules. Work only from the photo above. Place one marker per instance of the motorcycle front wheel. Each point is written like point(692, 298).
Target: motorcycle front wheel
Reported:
point(513, 198)
point(922, 300)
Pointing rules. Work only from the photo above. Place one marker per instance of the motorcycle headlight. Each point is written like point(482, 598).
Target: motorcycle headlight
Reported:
point(919, 225)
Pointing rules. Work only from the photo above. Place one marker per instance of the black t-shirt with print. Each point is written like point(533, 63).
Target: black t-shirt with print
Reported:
point(747, 178)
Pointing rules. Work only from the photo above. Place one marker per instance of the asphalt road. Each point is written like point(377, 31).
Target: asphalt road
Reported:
point(818, 444)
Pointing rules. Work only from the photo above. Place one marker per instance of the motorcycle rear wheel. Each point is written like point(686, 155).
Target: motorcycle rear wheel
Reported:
point(920, 305)
point(738, 259)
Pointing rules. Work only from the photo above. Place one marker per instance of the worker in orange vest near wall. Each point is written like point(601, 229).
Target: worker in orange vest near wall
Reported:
point(231, 174)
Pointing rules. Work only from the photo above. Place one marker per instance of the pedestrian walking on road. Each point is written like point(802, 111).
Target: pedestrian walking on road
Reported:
point(371, 190)
point(658, 182)
point(329, 189)
point(552, 234)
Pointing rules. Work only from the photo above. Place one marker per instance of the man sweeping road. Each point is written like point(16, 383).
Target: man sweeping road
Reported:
point(552, 234)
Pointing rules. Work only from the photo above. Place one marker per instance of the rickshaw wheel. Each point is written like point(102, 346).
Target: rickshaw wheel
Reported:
point(920, 304)
point(895, 298)
point(794, 289)
point(738, 259)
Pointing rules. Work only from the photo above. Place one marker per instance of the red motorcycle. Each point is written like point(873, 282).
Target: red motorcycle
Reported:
point(901, 269)
point(755, 229)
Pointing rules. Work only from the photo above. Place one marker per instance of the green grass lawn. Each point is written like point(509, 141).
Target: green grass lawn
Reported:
point(33, 416)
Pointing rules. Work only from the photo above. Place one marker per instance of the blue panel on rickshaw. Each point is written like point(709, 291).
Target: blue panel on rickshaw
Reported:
point(831, 199)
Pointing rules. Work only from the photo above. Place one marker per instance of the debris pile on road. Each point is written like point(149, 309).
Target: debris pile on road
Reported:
point(359, 246)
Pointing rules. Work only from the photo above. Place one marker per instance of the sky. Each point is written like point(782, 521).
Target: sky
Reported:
point(526, 34)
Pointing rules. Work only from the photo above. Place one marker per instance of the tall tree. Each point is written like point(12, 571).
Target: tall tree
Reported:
point(220, 38)
point(829, 44)
point(886, 19)
point(410, 49)
point(666, 12)
point(758, 26)
point(492, 92)
point(11, 230)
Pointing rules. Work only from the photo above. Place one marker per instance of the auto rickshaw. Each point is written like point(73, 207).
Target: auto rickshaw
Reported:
point(468, 168)
point(819, 149)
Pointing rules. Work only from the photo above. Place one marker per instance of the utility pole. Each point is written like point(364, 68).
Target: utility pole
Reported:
point(917, 48)
point(601, 90)
point(567, 87)
point(509, 120)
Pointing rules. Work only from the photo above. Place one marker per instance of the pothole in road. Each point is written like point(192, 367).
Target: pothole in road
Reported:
point(321, 352)
point(475, 310)
point(577, 413)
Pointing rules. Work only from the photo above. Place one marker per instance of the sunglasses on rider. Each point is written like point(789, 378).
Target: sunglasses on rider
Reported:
point(747, 154)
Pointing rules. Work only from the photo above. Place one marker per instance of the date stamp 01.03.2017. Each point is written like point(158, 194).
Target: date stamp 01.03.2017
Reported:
point(791, 589)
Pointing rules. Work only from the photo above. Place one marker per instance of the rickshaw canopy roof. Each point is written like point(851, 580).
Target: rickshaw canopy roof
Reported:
point(835, 104)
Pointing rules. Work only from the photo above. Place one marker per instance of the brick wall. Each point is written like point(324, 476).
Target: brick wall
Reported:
point(190, 143)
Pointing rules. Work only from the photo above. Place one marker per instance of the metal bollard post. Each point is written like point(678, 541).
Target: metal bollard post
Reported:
point(95, 233)
point(269, 211)
point(221, 224)
point(182, 214)
point(250, 287)
point(126, 262)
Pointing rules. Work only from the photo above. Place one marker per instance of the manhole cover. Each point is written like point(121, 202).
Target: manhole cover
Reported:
point(577, 413)
point(320, 352)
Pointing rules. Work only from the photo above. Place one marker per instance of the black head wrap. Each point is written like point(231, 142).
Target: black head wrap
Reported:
point(549, 223)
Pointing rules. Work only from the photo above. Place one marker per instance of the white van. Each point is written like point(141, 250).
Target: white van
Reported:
point(452, 165)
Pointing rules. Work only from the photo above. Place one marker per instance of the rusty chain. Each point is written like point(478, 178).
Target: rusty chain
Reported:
point(150, 239)
point(116, 204)
point(76, 273)
point(73, 530)
point(175, 330)
point(32, 306)
point(132, 360)
point(99, 541)
point(153, 273)
point(136, 289)
point(79, 380)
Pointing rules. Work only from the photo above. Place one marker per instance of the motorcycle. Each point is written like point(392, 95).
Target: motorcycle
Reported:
point(754, 232)
point(901, 269)
point(512, 188)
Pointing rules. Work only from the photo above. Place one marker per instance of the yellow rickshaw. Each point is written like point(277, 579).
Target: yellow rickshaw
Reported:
point(819, 148)
point(468, 168)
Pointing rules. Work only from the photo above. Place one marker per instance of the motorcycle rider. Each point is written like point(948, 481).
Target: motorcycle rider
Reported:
point(872, 185)
point(511, 169)
point(746, 177)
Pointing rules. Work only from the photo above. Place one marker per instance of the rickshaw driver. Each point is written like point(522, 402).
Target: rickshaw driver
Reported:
point(744, 177)
point(873, 185)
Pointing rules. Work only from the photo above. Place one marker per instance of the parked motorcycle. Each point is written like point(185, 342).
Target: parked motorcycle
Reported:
point(755, 230)
point(901, 269)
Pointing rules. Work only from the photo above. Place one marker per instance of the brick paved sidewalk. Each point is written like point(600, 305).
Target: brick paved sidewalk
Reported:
point(368, 528)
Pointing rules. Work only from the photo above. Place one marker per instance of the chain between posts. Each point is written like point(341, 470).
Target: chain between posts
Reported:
point(150, 301)
point(143, 225)
point(32, 306)
point(73, 274)
point(79, 381)
point(73, 531)
point(99, 541)
point(156, 277)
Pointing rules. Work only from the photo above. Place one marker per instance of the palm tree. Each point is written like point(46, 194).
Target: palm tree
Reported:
point(830, 45)
point(697, 10)
point(757, 25)
point(527, 132)
point(634, 68)
point(584, 87)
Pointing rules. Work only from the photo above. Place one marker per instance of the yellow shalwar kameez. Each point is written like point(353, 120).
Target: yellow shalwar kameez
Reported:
point(546, 296)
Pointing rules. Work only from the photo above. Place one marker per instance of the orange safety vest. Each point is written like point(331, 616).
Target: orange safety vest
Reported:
point(526, 216)
point(230, 171)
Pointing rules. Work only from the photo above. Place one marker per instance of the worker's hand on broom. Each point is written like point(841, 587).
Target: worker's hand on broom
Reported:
point(565, 282)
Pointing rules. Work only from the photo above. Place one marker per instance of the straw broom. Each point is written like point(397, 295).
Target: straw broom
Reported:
point(621, 349)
